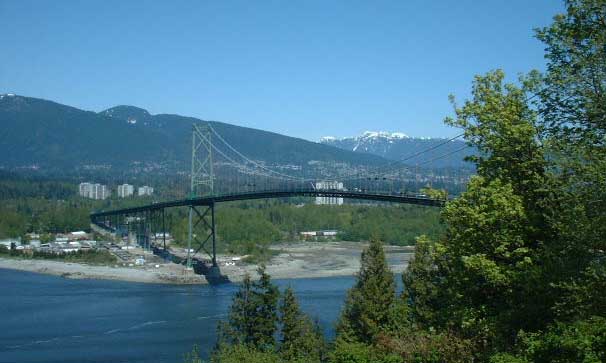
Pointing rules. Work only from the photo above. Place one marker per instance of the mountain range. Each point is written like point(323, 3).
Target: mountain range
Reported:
point(438, 152)
point(41, 134)
point(49, 136)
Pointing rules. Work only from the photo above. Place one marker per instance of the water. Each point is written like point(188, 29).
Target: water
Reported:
point(51, 319)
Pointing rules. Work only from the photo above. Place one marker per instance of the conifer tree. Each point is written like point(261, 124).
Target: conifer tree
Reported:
point(422, 285)
point(253, 315)
point(301, 340)
point(238, 328)
point(265, 320)
point(370, 302)
point(291, 319)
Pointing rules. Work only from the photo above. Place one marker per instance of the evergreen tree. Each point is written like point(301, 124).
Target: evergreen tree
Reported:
point(239, 326)
point(241, 353)
point(371, 300)
point(573, 102)
point(423, 288)
point(253, 315)
point(301, 340)
point(266, 296)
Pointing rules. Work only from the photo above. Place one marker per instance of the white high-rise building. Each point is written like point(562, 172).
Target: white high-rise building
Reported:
point(99, 191)
point(125, 190)
point(145, 190)
point(329, 185)
point(84, 189)
point(93, 191)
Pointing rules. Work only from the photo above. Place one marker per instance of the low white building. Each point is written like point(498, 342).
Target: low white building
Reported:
point(77, 235)
point(324, 233)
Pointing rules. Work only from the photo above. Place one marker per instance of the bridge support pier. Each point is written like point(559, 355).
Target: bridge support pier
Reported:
point(206, 217)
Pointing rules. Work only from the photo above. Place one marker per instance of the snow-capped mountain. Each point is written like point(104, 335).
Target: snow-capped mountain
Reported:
point(399, 146)
point(368, 136)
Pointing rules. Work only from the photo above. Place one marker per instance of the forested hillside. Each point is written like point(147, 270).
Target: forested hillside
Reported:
point(44, 135)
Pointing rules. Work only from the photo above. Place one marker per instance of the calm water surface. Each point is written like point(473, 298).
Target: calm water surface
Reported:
point(51, 319)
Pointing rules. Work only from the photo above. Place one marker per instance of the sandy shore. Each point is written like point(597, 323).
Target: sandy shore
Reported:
point(319, 259)
point(294, 260)
point(164, 274)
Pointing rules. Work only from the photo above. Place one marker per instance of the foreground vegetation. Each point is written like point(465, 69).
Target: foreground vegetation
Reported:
point(519, 274)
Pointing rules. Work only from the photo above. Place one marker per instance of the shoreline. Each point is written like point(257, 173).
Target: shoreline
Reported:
point(293, 261)
point(71, 270)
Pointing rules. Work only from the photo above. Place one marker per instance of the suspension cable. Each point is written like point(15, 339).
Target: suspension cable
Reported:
point(442, 156)
point(433, 147)
point(247, 159)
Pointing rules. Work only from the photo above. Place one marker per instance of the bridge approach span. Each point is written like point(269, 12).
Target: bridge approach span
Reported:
point(148, 218)
point(211, 200)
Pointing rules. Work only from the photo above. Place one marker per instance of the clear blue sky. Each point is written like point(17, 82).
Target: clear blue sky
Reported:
point(301, 68)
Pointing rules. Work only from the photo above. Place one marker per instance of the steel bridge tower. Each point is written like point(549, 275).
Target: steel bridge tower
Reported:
point(202, 185)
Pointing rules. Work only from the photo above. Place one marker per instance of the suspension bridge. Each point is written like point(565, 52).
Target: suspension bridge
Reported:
point(220, 173)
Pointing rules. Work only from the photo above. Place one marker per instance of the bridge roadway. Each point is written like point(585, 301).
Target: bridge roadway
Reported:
point(211, 200)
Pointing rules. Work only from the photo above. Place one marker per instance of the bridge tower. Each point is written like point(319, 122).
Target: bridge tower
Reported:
point(202, 185)
point(202, 176)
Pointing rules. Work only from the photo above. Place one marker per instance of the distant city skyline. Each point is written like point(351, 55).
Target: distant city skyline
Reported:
point(304, 69)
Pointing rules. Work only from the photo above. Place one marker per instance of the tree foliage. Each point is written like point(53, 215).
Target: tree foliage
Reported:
point(574, 99)
point(371, 300)
point(520, 270)
point(256, 319)
point(518, 274)
point(301, 339)
point(253, 315)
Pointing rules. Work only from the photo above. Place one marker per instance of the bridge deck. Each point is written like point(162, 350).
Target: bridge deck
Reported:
point(393, 198)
